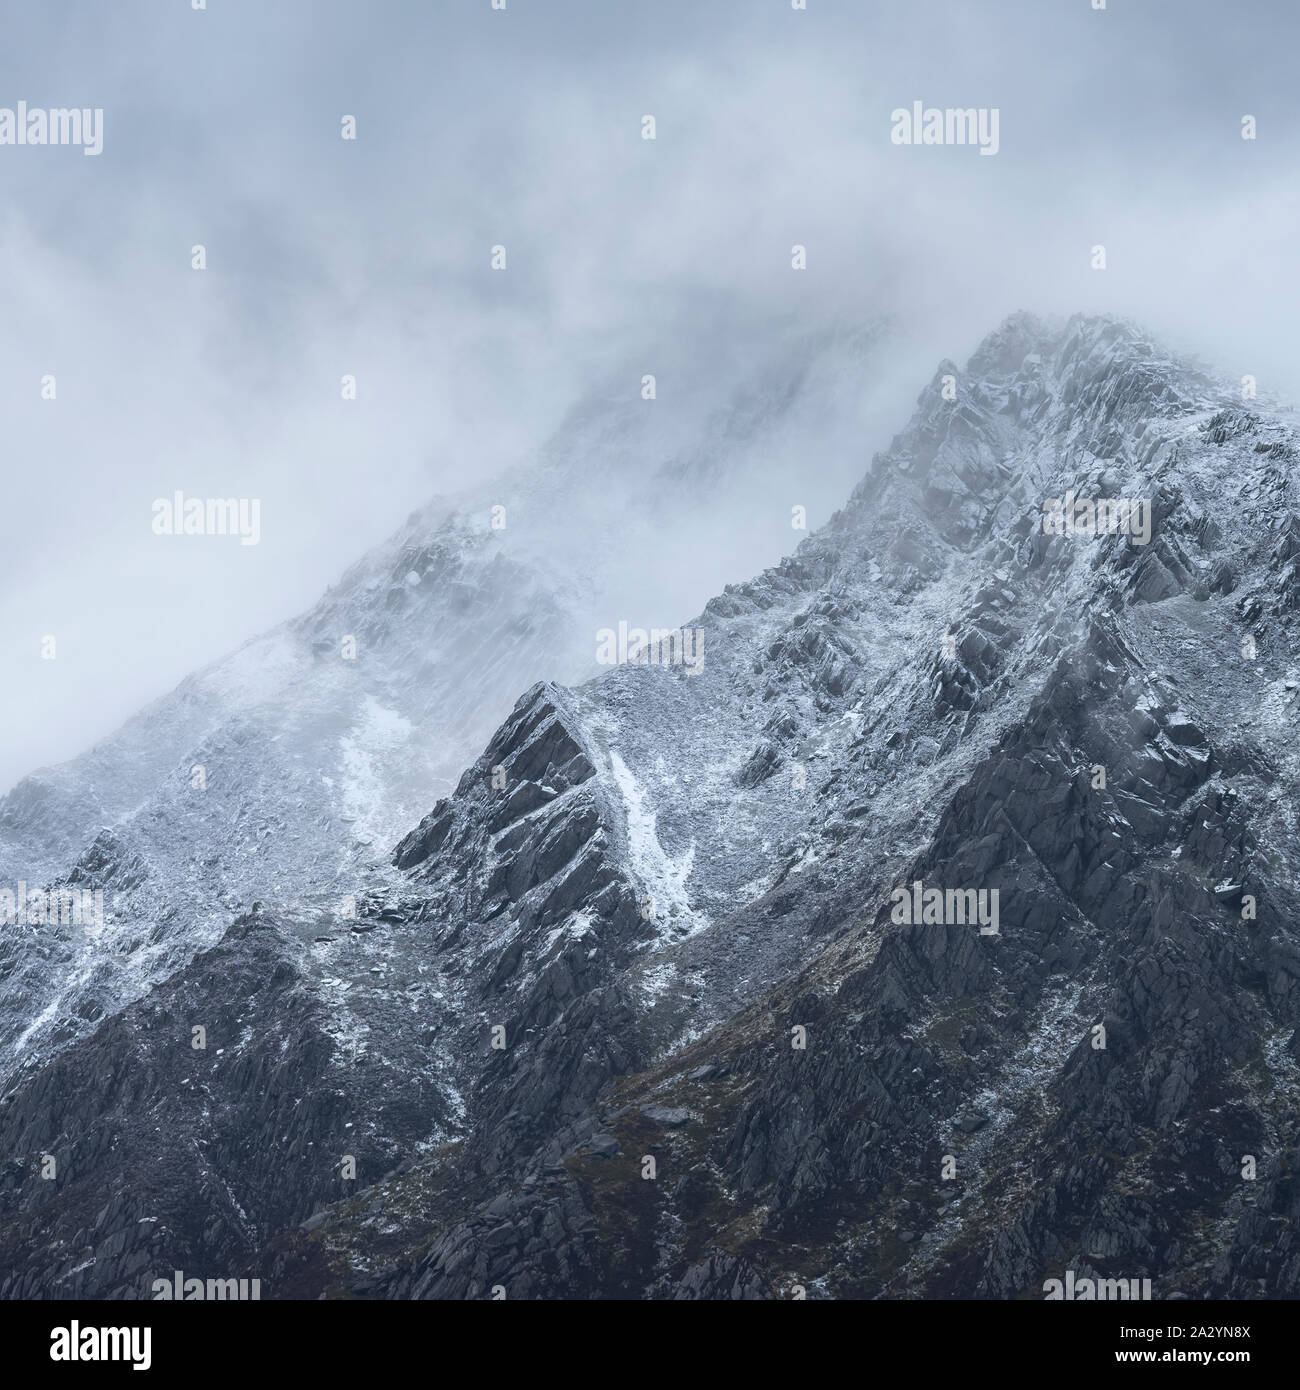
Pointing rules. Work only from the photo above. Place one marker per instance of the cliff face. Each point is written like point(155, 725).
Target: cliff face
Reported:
point(635, 1010)
point(284, 774)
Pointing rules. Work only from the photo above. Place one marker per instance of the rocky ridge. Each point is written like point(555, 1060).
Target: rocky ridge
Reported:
point(653, 921)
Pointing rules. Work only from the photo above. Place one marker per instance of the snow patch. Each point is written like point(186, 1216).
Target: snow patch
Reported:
point(375, 742)
point(663, 877)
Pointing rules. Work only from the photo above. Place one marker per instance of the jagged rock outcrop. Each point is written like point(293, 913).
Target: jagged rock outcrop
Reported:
point(679, 1030)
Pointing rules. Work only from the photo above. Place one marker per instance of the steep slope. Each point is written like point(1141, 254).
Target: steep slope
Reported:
point(283, 774)
point(1105, 1084)
point(653, 920)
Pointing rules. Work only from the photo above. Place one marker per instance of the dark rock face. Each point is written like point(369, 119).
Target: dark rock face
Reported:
point(936, 937)
point(159, 1146)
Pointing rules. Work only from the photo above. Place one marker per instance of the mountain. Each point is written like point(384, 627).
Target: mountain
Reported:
point(284, 773)
point(639, 1007)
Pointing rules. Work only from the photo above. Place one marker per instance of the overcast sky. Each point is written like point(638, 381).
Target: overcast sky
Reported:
point(523, 127)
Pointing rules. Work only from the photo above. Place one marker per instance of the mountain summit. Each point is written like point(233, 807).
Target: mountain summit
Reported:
point(931, 938)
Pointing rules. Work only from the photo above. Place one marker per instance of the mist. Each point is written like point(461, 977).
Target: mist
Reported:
point(522, 127)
